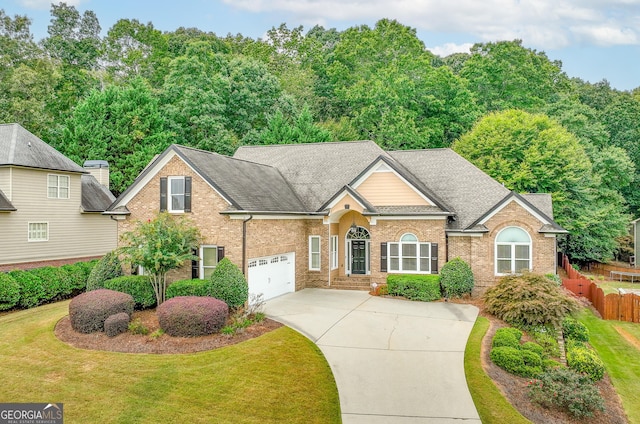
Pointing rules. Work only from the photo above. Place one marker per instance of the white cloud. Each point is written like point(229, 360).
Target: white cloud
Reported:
point(548, 24)
point(46, 4)
point(450, 48)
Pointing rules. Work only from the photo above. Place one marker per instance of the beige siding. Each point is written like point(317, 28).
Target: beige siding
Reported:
point(5, 181)
point(71, 233)
point(387, 189)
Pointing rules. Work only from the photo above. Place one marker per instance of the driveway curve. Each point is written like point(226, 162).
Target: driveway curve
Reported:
point(394, 361)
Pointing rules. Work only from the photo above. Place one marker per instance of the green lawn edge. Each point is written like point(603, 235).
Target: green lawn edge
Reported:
point(620, 359)
point(492, 406)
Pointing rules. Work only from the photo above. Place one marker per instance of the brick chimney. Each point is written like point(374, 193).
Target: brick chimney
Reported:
point(99, 169)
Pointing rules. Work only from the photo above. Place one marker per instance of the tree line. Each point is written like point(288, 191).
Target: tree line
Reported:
point(510, 110)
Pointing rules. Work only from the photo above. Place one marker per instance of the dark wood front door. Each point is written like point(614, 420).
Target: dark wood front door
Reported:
point(358, 257)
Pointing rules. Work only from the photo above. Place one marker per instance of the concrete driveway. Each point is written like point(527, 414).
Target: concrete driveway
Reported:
point(394, 361)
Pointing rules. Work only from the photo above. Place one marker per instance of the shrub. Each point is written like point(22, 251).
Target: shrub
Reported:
point(137, 327)
point(31, 289)
point(116, 324)
point(106, 268)
point(549, 364)
point(414, 287)
point(504, 337)
point(55, 282)
point(9, 292)
point(228, 284)
point(546, 337)
point(138, 286)
point(456, 278)
point(584, 360)
point(528, 300)
point(533, 347)
point(77, 276)
point(188, 316)
point(555, 278)
point(516, 361)
point(195, 287)
point(574, 330)
point(89, 310)
point(566, 390)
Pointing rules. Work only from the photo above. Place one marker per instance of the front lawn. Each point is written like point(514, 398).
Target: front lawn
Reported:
point(278, 377)
point(620, 356)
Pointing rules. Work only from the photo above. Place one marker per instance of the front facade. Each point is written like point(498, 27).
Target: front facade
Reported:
point(50, 208)
point(342, 214)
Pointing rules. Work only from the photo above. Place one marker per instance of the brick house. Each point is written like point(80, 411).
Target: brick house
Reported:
point(343, 214)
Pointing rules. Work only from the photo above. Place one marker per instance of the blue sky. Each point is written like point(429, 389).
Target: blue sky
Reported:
point(594, 39)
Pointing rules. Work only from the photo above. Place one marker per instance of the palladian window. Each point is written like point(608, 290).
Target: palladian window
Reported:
point(513, 251)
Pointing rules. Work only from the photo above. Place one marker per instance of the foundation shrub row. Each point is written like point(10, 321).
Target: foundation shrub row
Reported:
point(138, 286)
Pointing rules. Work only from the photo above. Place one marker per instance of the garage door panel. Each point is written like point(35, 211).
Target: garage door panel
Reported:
point(272, 275)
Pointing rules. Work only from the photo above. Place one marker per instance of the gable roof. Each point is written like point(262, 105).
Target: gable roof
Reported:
point(5, 204)
point(18, 147)
point(95, 197)
point(315, 171)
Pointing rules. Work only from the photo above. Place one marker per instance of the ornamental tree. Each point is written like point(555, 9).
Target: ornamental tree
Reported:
point(160, 245)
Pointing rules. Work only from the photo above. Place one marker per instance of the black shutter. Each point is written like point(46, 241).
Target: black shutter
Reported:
point(187, 194)
point(195, 265)
point(220, 253)
point(163, 194)
point(383, 257)
point(434, 258)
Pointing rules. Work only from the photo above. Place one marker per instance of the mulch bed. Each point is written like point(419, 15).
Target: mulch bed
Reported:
point(139, 343)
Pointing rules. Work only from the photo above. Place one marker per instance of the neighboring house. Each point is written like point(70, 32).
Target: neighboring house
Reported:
point(343, 214)
point(51, 209)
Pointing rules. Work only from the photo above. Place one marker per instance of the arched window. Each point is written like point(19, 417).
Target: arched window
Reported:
point(409, 255)
point(513, 251)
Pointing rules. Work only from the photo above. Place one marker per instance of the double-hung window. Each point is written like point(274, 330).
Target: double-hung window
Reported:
point(208, 260)
point(314, 253)
point(57, 186)
point(175, 194)
point(513, 251)
point(409, 255)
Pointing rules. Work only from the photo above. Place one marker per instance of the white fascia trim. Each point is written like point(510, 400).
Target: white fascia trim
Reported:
point(550, 235)
point(374, 219)
point(518, 201)
point(344, 194)
point(462, 234)
point(152, 174)
point(272, 217)
point(387, 168)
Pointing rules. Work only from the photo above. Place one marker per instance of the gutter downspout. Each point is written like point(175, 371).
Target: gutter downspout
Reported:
point(244, 244)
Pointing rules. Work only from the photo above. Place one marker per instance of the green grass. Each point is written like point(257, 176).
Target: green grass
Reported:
point(278, 377)
point(612, 286)
point(492, 406)
point(621, 359)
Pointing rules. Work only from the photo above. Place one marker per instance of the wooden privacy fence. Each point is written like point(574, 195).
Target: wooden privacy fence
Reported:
point(612, 306)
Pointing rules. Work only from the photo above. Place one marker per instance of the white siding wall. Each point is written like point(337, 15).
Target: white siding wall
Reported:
point(72, 234)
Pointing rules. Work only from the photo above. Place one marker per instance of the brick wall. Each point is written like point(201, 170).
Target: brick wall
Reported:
point(40, 264)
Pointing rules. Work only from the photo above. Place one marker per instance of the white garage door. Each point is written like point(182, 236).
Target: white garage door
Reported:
point(272, 275)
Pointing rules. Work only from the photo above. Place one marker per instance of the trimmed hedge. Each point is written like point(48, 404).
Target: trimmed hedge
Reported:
point(108, 267)
point(9, 292)
point(414, 287)
point(575, 330)
point(88, 311)
point(138, 286)
point(517, 361)
point(77, 275)
point(55, 282)
point(228, 284)
point(456, 278)
point(507, 337)
point(190, 316)
point(195, 287)
point(32, 291)
point(116, 324)
point(582, 359)
point(533, 347)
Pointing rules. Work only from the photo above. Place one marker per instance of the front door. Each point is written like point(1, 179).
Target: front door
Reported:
point(358, 257)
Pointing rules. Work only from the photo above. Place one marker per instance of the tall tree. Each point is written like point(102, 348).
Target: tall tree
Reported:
point(532, 153)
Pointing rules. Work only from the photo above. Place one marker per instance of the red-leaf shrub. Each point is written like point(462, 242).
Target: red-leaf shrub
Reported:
point(116, 324)
point(190, 316)
point(89, 310)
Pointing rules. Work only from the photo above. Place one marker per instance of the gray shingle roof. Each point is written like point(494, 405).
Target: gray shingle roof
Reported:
point(18, 147)
point(541, 201)
point(5, 204)
point(315, 171)
point(250, 186)
point(95, 196)
point(462, 186)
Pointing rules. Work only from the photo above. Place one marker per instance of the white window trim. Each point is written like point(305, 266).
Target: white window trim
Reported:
point(201, 266)
point(57, 186)
point(37, 240)
point(169, 194)
point(400, 243)
point(312, 253)
point(513, 251)
point(334, 252)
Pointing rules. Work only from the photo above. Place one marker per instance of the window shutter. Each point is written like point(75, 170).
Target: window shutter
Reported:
point(434, 258)
point(383, 257)
point(220, 253)
point(195, 265)
point(163, 194)
point(187, 194)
